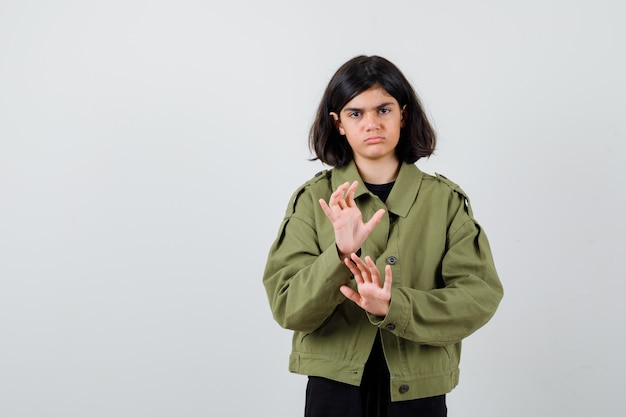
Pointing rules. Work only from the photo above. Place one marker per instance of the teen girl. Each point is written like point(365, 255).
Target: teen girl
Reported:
point(378, 268)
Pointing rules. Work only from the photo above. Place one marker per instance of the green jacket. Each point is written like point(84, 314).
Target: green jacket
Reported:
point(445, 284)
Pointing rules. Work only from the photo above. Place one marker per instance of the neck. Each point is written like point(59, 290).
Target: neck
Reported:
point(378, 172)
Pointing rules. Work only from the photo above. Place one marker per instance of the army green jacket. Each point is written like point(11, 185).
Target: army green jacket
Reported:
point(445, 284)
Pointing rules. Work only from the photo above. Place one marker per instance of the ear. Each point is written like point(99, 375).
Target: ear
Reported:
point(335, 117)
point(403, 116)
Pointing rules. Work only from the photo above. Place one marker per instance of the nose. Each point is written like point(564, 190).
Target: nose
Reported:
point(371, 120)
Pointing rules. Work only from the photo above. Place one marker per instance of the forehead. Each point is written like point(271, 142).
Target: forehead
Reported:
point(373, 97)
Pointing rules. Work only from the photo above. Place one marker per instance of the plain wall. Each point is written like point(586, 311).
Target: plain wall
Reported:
point(148, 150)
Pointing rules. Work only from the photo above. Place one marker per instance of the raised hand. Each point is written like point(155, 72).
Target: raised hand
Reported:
point(372, 296)
point(342, 211)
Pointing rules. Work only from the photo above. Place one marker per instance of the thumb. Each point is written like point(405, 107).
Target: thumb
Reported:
point(376, 218)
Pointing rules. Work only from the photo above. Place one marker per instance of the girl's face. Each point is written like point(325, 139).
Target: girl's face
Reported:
point(371, 123)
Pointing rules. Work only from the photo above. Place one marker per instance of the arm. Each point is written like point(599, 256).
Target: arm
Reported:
point(304, 270)
point(469, 297)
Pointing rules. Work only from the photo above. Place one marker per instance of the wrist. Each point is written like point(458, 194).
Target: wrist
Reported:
point(343, 255)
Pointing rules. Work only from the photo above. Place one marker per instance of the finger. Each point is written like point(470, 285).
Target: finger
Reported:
point(350, 294)
point(365, 269)
point(356, 272)
point(341, 190)
point(350, 193)
point(388, 279)
point(338, 196)
point(365, 275)
point(373, 270)
point(355, 258)
point(376, 218)
point(327, 211)
point(348, 196)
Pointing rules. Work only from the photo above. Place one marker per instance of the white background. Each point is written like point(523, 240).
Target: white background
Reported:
point(148, 150)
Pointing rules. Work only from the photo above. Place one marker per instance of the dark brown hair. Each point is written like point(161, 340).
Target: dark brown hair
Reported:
point(417, 137)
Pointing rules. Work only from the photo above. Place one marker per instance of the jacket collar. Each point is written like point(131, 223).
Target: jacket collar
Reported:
point(403, 193)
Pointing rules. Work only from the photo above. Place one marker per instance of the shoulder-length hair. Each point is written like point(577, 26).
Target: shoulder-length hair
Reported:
point(417, 137)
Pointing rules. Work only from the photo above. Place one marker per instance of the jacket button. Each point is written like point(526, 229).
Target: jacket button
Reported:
point(392, 260)
point(404, 388)
point(391, 326)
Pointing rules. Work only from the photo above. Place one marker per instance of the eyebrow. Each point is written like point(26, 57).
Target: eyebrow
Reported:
point(386, 104)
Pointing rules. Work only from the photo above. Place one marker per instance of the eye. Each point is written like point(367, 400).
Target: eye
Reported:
point(384, 110)
point(354, 114)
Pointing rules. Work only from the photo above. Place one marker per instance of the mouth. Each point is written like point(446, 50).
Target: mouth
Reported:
point(374, 139)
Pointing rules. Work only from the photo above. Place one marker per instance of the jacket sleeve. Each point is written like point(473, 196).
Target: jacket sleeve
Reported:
point(303, 275)
point(470, 294)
